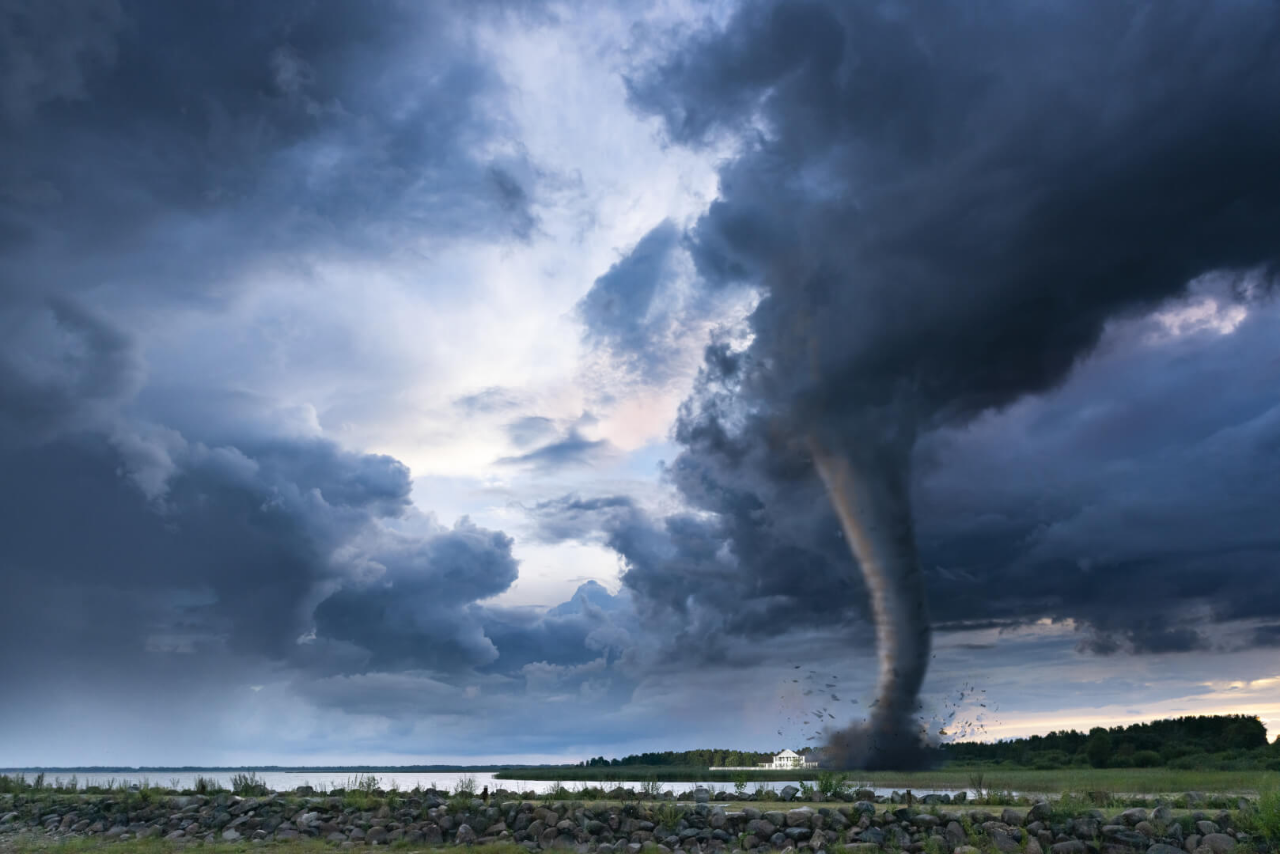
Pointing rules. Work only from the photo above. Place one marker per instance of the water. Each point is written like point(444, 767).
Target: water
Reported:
point(447, 781)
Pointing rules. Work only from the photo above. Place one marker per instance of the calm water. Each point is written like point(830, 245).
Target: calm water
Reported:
point(282, 781)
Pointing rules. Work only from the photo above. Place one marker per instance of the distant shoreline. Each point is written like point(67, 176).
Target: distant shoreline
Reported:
point(276, 769)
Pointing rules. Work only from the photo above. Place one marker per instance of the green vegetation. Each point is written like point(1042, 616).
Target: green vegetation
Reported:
point(684, 758)
point(990, 779)
point(1263, 817)
point(1209, 742)
point(246, 784)
point(641, 773)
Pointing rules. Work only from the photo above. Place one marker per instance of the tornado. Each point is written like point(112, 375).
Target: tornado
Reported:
point(870, 494)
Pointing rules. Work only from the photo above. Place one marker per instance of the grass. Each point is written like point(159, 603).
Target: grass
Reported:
point(1138, 781)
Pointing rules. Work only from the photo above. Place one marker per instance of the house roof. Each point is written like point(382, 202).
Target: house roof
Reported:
point(788, 753)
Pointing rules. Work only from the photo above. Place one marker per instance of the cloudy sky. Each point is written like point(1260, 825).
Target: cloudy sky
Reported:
point(423, 382)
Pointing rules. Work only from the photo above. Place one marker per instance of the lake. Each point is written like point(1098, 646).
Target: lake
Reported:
point(282, 781)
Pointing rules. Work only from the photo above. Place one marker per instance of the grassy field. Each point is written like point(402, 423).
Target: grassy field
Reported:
point(1140, 781)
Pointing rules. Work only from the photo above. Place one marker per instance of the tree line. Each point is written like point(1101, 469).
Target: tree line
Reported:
point(1235, 741)
point(1229, 742)
point(684, 758)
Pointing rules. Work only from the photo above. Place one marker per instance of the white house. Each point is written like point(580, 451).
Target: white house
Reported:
point(787, 760)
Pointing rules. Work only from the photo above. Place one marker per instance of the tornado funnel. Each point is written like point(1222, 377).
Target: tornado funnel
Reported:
point(870, 495)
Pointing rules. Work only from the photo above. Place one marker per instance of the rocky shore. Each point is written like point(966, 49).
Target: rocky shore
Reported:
point(433, 818)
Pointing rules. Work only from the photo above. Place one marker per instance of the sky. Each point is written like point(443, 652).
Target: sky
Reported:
point(395, 382)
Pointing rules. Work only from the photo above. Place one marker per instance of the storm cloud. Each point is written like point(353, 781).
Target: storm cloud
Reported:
point(343, 345)
point(943, 210)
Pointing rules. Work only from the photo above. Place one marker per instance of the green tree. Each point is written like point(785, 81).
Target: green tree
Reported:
point(1098, 747)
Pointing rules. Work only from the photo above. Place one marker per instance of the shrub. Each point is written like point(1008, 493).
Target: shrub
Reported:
point(1263, 817)
point(831, 784)
point(248, 784)
point(1146, 759)
point(465, 785)
point(668, 815)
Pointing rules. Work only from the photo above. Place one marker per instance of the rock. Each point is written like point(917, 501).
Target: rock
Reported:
point(801, 817)
point(1071, 846)
point(231, 835)
point(1161, 848)
point(865, 807)
point(336, 836)
point(1219, 843)
point(177, 834)
point(701, 795)
point(1033, 847)
point(1040, 811)
point(1195, 799)
point(1146, 828)
point(467, 836)
point(117, 831)
point(1011, 817)
point(1206, 827)
point(1162, 813)
point(377, 836)
point(1004, 842)
point(1126, 837)
point(872, 834)
point(788, 792)
point(965, 849)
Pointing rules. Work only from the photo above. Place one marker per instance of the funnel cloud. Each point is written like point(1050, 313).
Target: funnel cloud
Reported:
point(943, 208)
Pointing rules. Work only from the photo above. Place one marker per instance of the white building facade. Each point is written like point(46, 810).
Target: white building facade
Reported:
point(787, 760)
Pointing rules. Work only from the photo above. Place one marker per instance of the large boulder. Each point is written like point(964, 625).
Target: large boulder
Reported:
point(1040, 811)
point(788, 792)
point(801, 817)
point(1219, 843)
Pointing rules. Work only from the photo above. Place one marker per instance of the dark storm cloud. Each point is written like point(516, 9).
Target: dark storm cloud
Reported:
point(944, 208)
point(622, 312)
point(169, 144)
point(1122, 494)
point(677, 566)
point(61, 368)
point(416, 613)
point(154, 152)
point(1266, 636)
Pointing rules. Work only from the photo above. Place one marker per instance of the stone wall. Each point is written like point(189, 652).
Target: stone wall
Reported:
point(435, 818)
